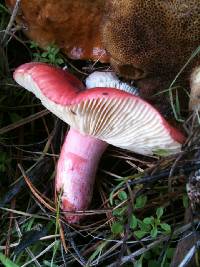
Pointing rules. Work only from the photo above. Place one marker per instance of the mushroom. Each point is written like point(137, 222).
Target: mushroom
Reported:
point(73, 26)
point(149, 41)
point(98, 117)
point(108, 79)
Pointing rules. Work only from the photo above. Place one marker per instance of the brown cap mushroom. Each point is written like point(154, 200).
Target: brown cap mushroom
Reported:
point(97, 117)
point(151, 40)
point(74, 26)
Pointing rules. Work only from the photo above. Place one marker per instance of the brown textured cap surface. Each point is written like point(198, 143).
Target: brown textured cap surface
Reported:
point(72, 25)
point(151, 37)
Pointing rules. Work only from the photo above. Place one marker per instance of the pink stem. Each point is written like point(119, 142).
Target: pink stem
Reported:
point(76, 171)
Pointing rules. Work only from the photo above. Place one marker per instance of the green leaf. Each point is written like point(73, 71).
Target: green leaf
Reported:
point(111, 197)
point(170, 253)
point(166, 227)
point(44, 54)
point(98, 250)
point(33, 45)
point(51, 57)
point(133, 222)
point(116, 202)
point(177, 104)
point(36, 57)
point(140, 202)
point(4, 9)
point(157, 221)
point(59, 61)
point(138, 263)
point(161, 152)
point(49, 264)
point(148, 220)
point(117, 228)
point(153, 263)
point(139, 234)
point(185, 201)
point(122, 195)
point(45, 60)
point(6, 261)
point(154, 232)
point(119, 211)
point(56, 50)
point(144, 227)
point(159, 212)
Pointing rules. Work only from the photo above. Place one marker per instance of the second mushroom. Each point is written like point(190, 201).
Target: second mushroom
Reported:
point(99, 116)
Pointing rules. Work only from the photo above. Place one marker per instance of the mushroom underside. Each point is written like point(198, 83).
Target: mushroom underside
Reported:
point(118, 118)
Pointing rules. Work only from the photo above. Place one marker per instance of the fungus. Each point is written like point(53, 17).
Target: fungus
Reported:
point(73, 26)
point(148, 41)
point(151, 39)
point(109, 79)
point(98, 117)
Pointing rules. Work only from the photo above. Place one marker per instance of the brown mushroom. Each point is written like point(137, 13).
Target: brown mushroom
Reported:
point(74, 26)
point(150, 41)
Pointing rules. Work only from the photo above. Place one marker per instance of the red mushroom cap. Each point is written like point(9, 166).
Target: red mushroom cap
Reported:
point(116, 117)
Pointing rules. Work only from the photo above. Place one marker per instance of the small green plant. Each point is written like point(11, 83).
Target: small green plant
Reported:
point(150, 258)
point(148, 226)
point(140, 227)
point(153, 225)
point(50, 55)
